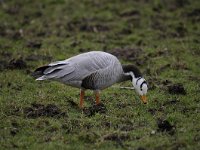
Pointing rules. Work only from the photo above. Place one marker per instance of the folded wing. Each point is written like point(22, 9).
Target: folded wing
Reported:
point(75, 68)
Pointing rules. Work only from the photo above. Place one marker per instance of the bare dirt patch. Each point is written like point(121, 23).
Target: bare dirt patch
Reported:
point(91, 111)
point(3, 64)
point(17, 64)
point(181, 30)
point(130, 54)
point(127, 128)
point(72, 104)
point(171, 102)
point(37, 110)
point(11, 32)
point(155, 82)
point(166, 85)
point(130, 13)
point(194, 15)
point(164, 52)
point(194, 78)
point(141, 148)
point(5, 54)
point(34, 44)
point(162, 68)
point(14, 128)
point(177, 89)
point(118, 138)
point(123, 105)
point(165, 126)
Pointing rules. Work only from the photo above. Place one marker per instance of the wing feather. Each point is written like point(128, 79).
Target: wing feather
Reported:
point(57, 71)
point(78, 67)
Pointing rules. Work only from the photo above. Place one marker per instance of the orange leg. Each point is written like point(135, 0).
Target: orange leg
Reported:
point(97, 95)
point(82, 94)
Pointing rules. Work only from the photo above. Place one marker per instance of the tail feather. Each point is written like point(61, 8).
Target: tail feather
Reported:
point(39, 72)
point(53, 71)
point(41, 78)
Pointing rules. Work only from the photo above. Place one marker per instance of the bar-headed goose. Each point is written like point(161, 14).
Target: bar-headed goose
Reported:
point(93, 70)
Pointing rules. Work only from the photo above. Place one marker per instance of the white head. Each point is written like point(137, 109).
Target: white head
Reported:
point(139, 83)
point(141, 88)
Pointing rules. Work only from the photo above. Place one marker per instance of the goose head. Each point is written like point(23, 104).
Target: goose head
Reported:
point(139, 83)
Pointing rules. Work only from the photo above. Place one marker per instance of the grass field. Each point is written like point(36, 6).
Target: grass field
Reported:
point(161, 37)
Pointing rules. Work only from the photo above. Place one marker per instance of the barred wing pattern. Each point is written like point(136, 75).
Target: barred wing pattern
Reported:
point(74, 70)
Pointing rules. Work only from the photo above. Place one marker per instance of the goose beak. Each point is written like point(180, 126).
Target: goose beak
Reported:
point(144, 99)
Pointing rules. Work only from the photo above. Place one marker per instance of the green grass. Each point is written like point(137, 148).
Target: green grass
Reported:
point(168, 34)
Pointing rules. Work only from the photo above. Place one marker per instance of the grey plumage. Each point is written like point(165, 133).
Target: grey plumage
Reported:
point(92, 70)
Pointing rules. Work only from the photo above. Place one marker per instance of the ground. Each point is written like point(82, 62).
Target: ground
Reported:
point(160, 37)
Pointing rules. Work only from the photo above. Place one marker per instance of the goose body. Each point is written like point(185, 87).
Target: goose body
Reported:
point(95, 70)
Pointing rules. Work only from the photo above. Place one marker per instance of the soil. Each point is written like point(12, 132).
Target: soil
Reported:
point(162, 68)
point(72, 103)
point(17, 64)
point(160, 109)
point(127, 128)
point(180, 66)
point(167, 85)
point(164, 52)
point(117, 138)
point(11, 32)
point(165, 126)
point(125, 31)
point(171, 102)
point(13, 10)
point(5, 54)
point(197, 137)
point(194, 15)
point(166, 82)
point(123, 105)
point(129, 54)
point(194, 78)
point(177, 89)
point(141, 148)
point(3, 65)
point(91, 111)
point(14, 129)
point(179, 145)
point(75, 43)
point(34, 44)
point(152, 111)
point(181, 30)
point(156, 82)
point(151, 84)
point(37, 110)
point(134, 22)
point(131, 13)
